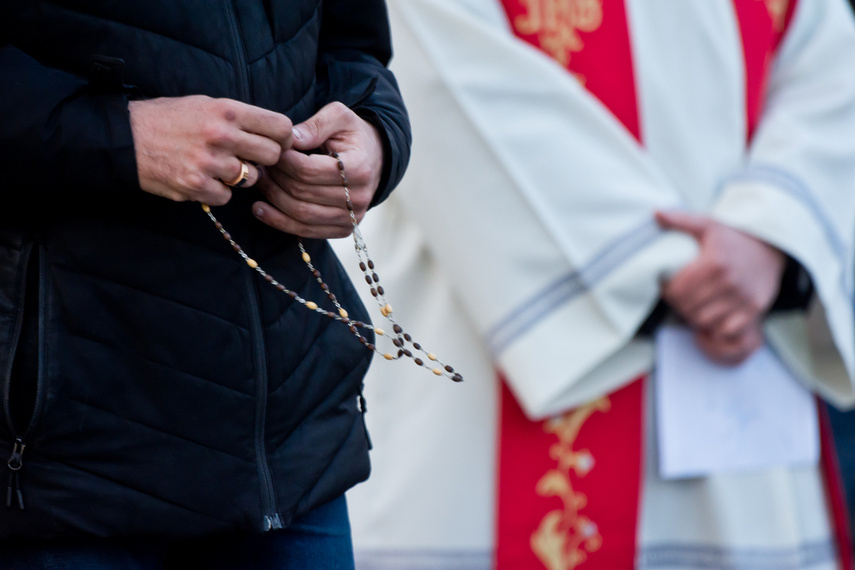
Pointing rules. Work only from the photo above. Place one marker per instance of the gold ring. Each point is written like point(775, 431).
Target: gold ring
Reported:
point(242, 177)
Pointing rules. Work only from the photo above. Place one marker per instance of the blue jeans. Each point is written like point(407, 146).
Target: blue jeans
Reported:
point(319, 540)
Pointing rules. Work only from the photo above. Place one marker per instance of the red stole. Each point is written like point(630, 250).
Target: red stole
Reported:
point(568, 487)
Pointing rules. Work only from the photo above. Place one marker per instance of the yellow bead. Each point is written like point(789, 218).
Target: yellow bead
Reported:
point(251, 262)
point(343, 313)
point(380, 332)
point(311, 305)
point(432, 356)
point(206, 208)
point(437, 371)
point(388, 356)
point(306, 257)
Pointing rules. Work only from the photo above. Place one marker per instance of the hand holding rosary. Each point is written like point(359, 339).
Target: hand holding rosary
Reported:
point(403, 342)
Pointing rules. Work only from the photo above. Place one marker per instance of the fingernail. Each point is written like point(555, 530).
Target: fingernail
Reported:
point(259, 212)
point(298, 133)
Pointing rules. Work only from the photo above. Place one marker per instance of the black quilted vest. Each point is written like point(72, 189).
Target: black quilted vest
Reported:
point(159, 386)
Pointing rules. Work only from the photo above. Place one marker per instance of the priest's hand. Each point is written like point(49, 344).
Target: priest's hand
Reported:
point(305, 192)
point(725, 292)
point(186, 146)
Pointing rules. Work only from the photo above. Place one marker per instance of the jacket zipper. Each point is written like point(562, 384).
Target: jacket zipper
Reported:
point(271, 518)
point(14, 493)
point(240, 50)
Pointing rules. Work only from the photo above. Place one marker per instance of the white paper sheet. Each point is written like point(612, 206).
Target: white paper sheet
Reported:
point(713, 419)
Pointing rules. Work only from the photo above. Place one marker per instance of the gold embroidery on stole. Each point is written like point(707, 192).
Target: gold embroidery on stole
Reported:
point(564, 538)
point(778, 11)
point(556, 24)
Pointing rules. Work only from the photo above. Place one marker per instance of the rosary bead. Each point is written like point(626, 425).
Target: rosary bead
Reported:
point(370, 264)
point(397, 328)
point(370, 346)
point(218, 225)
point(379, 332)
point(437, 371)
point(311, 305)
point(227, 236)
point(388, 356)
point(408, 338)
point(417, 346)
point(236, 247)
point(432, 356)
point(374, 293)
point(418, 361)
point(268, 278)
point(408, 353)
point(457, 378)
point(316, 273)
point(375, 277)
point(251, 262)
point(368, 280)
point(397, 342)
point(387, 310)
point(449, 369)
point(280, 286)
point(343, 313)
point(362, 265)
point(380, 290)
point(206, 208)
point(353, 329)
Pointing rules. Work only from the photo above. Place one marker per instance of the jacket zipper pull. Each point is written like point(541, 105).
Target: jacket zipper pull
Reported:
point(16, 461)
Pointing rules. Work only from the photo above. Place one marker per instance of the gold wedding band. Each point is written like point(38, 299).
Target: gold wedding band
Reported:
point(242, 177)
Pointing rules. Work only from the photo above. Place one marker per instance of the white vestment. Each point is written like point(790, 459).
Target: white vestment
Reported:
point(523, 239)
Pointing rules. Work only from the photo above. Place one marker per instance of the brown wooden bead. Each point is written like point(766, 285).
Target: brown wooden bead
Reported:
point(400, 353)
point(369, 281)
point(417, 346)
point(236, 247)
point(418, 361)
point(397, 343)
point(218, 225)
point(408, 338)
point(227, 236)
point(353, 329)
point(397, 328)
point(408, 353)
point(449, 369)
point(268, 278)
point(380, 290)
point(373, 291)
point(362, 265)
point(375, 277)
point(370, 264)
point(370, 346)
point(316, 273)
point(457, 378)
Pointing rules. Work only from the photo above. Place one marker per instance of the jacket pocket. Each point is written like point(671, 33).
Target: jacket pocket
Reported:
point(22, 387)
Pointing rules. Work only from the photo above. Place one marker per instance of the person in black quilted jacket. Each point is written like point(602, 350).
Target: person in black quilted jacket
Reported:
point(163, 403)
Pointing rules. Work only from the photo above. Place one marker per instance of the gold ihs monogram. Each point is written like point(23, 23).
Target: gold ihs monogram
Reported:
point(557, 23)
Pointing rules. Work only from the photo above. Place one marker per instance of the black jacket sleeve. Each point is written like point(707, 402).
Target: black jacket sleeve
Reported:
point(355, 48)
point(58, 134)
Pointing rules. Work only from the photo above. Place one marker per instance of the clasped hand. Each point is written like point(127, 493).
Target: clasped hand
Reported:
point(726, 291)
point(186, 146)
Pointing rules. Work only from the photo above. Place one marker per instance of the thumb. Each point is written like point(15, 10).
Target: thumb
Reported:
point(317, 129)
point(691, 224)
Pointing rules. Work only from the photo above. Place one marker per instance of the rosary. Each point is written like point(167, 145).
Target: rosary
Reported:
point(400, 339)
